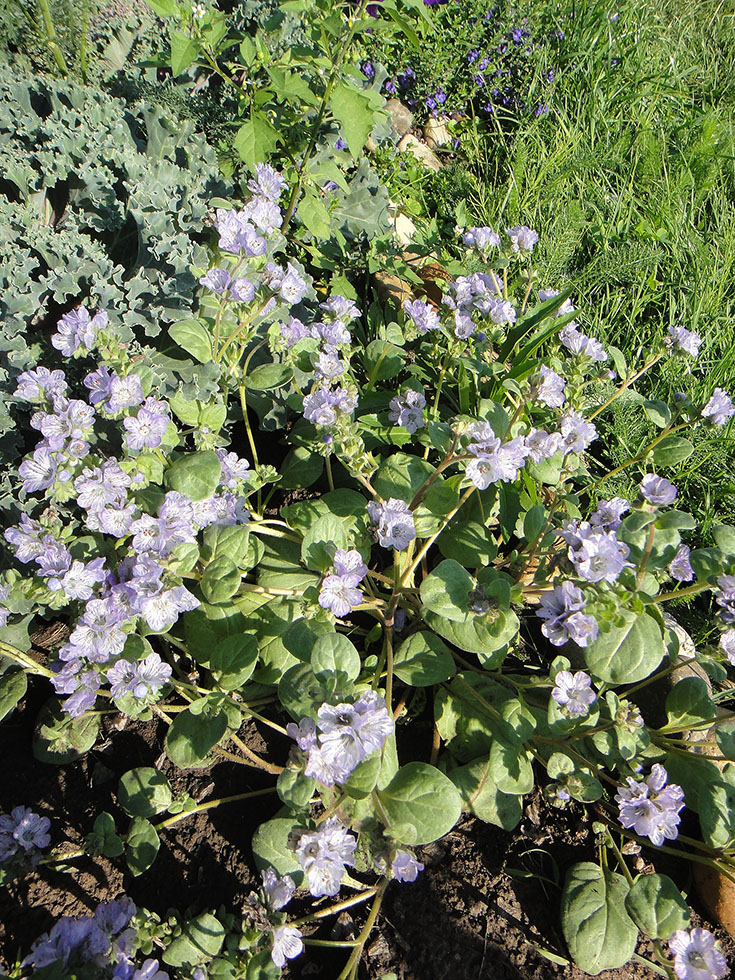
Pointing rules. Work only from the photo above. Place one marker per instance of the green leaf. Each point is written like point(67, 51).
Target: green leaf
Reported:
point(676, 519)
point(295, 789)
point(724, 536)
point(194, 338)
point(510, 767)
point(423, 660)
point(300, 468)
point(628, 653)
point(220, 580)
point(353, 111)
point(672, 450)
point(383, 360)
point(486, 635)
point(195, 475)
point(104, 839)
point(229, 540)
point(424, 799)
point(657, 906)
point(314, 215)
point(689, 703)
point(599, 933)
point(144, 792)
point(267, 377)
point(200, 940)
point(141, 846)
point(256, 140)
point(184, 52)
point(446, 590)
point(481, 795)
point(658, 412)
point(334, 652)
point(469, 543)
point(13, 685)
point(401, 475)
point(164, 8)
point(323, 538)
point(271, 850)
point(716, 801)
point(59, 739)
point(192, 737)
point(233, 660)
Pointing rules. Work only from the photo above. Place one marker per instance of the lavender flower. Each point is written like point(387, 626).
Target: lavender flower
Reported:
point(727, 645)
point(150, 971)
point(573, 692)
point(79, 581)
point(726, 597)
point(278, 891)
point(141, 679)
point(423, 315)
point(237, 234)
point(550, 387)
point(697, 956)
point(542, 445)
point(242, 290)
point(339, 594)
point(323, 854)
point(287, 944)
point(405, 867)
point(77, 329)
point(596, 554)
point(579, 343)
point(323, 404)
point(268, 182)
point(680, 338)
point(218, 280)
point(394, 521)
point(39, 472)
point(407, 410)
point(98, 384)
point(496, 461)
point(680, 567)
point(651, 807)
point(349, 733)
point(657, 490)
point(22, 830)
point(566, 306)
point(350, 563)
point(576, 433)
point(609, 513)
point(522, 238)
point(147, 428)
point(40, 384)
point(719, 408)
point(483, 238)
point(564, 620)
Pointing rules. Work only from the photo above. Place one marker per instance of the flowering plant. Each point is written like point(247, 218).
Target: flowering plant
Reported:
point(455, 534)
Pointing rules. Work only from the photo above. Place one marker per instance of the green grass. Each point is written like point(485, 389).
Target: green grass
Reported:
point(630, 182)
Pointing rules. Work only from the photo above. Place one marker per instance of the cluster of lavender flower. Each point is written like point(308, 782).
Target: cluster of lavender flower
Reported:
point(651, 808)
point(276, 894)
point(339, 591)
point(140, 584)
point(23, 834)
point(342, 736)
point(105, 940)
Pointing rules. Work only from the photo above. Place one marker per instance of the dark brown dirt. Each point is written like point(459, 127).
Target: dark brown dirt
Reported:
point(485, 901)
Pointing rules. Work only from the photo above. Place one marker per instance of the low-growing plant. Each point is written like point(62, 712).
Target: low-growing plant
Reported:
point(413, 511)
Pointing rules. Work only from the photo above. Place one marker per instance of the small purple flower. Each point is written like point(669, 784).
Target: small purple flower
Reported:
point(579, 343)
point(77, 329)
point(407, 410)
point(596, 554)
point(242, 290)
point(218, 280)
point(268, 182)
point(719, 408)
point(651, 808)
point(147, 428)
point(405, 867)
point(323, 855)
point(573, 692)
point(149, 971)
point(237, 234)
point(680, 338)
point(394, 523)
point(657, 490)
point(22, 829)
point(293, 287)
point(482, 238)
point(287, 944)
point(98, 384)
point(349, 563)
point(576, 433)
point(542, 445)
point(522, 238)
point(726, 597)
point(609, 513)
point(278, 891)
point(680, 567)
point(423, 315)
point(550, 387)
point(124, 393)
point(39, 472)
point(40, 384)
point(727, 645)
point(697, 956)
point(340, 594)
point(564, 619)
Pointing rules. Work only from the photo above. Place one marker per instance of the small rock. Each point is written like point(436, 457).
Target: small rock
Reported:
point(421, 151)
point(379, 948)
point(401, 118)
point(436, 133)
point(717, 894)
point(392, 289)
point(404, 230)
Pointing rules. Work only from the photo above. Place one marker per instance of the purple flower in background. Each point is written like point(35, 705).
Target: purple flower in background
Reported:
point(218, 280)
point(579, 343)
point(242, 290)
point(482, 238)
point(573, 692)
point(697, 956)
point(77, 329)
point(322, 404)
point(407, 410)
point(98, 384)
point(609, 513)
point(323, 854)
point(54, 558)
point(542, 445)
point(349, 563)
point(726, 597)
point(264, 214)
point(727, 645)
point(340, 594)
point(80, 579)
point(367, 69)
point(124, 393)
point(340, 309)
point(293, 287)
point(719, 408)
point(680, 567)
point(651, 808)
point(341, 144)
point(268, 182)
point(39, 472)
point(680, 338)
point(40, 384)
point(278, 891)
point(149, 971)
point(287, 944)
point(350, 732)
point(576, 433)
point(147, 428)
point(564, 620)
point(394, 523)
point(405, 867)
point(423, 315)
point(657, 490)
point(566, 306)
point(407, 78)
point(140, 679)
point(26, 538)
point(550, 387)
point(596, 554)
point(237, 234)
point(522, 238)
point(22, 830)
